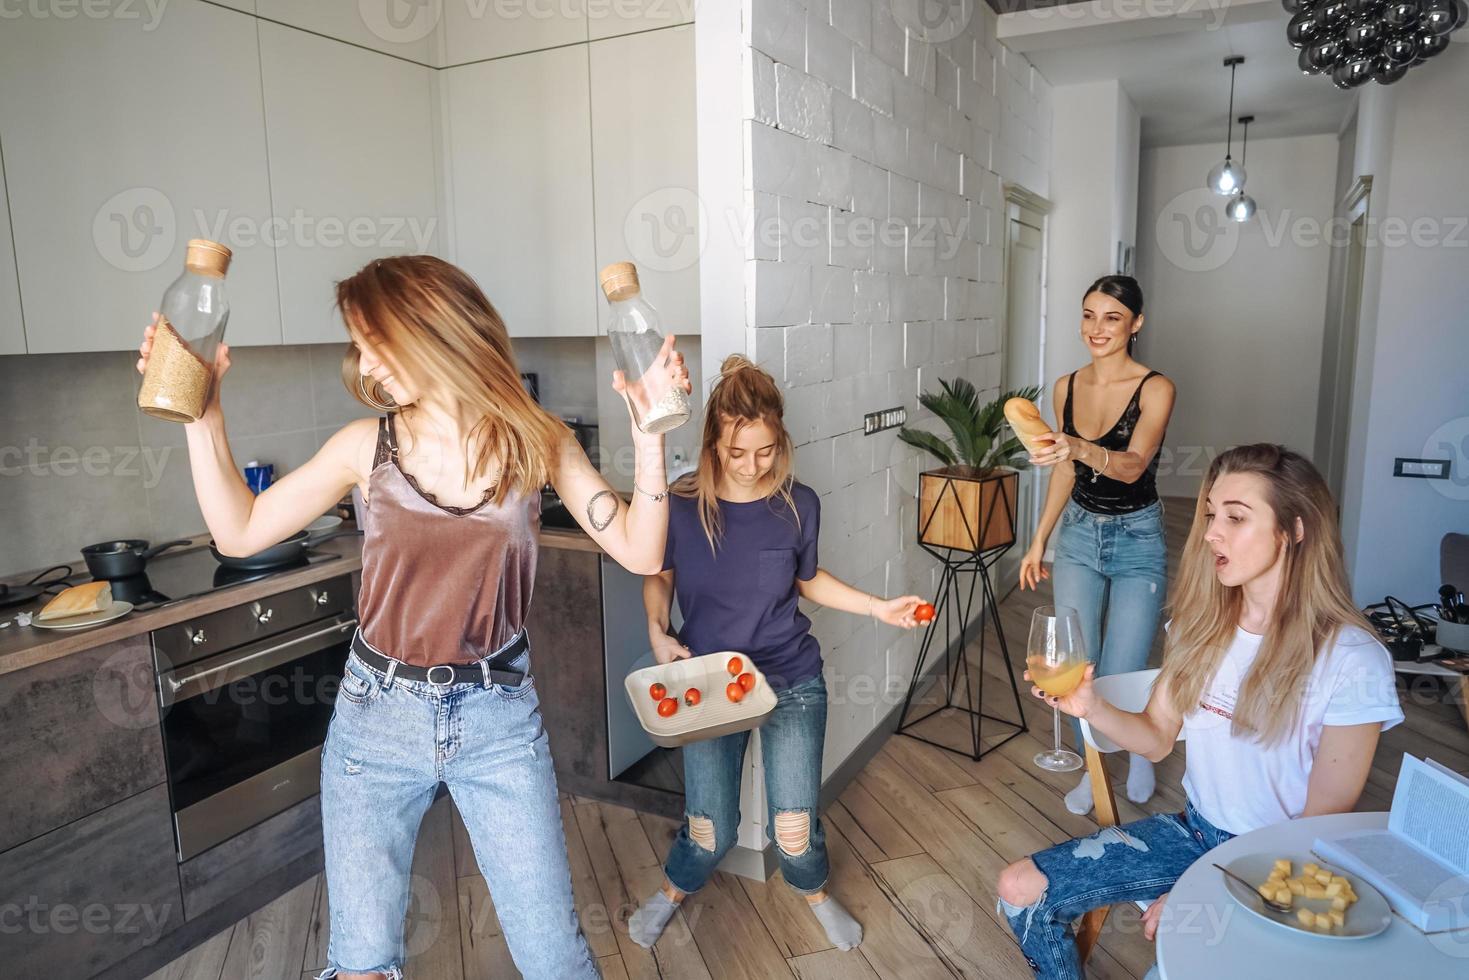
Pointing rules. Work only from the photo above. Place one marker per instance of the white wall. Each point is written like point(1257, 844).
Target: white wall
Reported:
point(854, 123)
point(1094, 188)
point(1235, 312)
point(1411, 398)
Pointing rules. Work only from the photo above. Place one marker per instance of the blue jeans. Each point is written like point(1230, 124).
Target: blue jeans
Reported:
point(1113, 570)
point(390, 744)
point(791, 742)
point(1131, 863)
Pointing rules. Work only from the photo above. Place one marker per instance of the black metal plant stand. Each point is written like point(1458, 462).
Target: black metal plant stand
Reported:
point(954, 601)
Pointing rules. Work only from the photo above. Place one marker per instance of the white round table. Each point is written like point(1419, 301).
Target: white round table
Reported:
point(1205, 934)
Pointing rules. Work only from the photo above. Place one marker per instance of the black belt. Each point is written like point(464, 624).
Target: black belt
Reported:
point(447, 675)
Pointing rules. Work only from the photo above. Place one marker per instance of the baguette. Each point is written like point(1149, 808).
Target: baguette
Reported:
point(79, 600)
point(1026, 420)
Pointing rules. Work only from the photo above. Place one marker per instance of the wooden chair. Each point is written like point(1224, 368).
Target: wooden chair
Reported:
point(1129, 692)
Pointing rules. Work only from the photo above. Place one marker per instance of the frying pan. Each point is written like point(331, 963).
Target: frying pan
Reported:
point(120, 559)
point(292, 549)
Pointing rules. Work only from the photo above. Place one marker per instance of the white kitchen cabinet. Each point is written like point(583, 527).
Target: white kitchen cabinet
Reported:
point(123, 141)
point(644, 167)
point(520, 156)
point(610, 18)
point(12, 331)
point(478, 29)
point(408, 30)
point(352, 171)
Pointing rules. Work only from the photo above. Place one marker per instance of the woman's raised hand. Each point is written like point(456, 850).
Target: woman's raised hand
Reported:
point(1062, 448)
point(221, 365)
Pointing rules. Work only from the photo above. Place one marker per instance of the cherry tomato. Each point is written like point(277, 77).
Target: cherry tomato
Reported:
point(924, 612)
point(734, 692)
point(746, 681)
point(667, 707)
point(735, 666)
point(658, 692)
point(692, 696)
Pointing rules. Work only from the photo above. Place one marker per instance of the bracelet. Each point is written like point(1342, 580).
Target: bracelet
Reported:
point(655, 497)
point(1106, 459)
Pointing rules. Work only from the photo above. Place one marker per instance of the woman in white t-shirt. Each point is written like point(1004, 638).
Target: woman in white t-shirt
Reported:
point(1272, 674)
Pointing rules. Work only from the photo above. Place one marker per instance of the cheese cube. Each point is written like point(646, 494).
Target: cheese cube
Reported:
point(1282, 867)
point(1306, 917)
point(1296, 886)
point(1310, 869)
point(1338, 919)
point(1323, 923)
point(1339, 904)
point(1283, 896)
point(1315, 891)
point(1334, 889)
point(1323, 877)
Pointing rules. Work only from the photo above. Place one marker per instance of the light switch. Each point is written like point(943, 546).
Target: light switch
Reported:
point(1423, 469)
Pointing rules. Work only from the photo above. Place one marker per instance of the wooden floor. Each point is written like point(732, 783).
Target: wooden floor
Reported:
point(916, 843)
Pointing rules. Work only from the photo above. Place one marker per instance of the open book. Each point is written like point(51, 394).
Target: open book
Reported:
point(1420, 863)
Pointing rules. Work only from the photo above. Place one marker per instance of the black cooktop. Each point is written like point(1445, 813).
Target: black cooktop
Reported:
point(177, 575)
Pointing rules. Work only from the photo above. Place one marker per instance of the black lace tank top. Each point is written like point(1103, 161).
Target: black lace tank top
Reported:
point(1105, 495)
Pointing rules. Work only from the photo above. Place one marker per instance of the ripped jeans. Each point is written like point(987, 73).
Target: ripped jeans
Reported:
point(791, 742)
point(1131, 863)
point(390, 744)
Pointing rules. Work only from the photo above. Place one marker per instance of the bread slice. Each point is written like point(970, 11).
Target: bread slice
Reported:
point(79, 600)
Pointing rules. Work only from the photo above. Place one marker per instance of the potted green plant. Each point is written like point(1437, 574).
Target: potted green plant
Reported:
point(969, 502)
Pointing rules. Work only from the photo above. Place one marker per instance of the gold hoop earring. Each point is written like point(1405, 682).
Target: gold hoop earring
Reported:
point(367, 396)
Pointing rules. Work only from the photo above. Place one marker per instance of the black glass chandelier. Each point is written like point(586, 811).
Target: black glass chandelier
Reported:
point(1360, 41)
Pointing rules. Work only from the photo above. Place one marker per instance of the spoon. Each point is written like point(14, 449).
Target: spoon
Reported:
point(1270, 903)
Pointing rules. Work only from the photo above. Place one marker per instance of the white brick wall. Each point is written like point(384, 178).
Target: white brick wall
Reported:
point(874, 161)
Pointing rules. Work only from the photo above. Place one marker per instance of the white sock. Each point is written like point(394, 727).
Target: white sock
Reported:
point(1140, 779)
point(1079, 800)
point(844, 931)
point(648, 922)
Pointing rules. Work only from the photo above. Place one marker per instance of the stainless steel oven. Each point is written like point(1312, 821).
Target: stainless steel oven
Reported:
point(246, 694)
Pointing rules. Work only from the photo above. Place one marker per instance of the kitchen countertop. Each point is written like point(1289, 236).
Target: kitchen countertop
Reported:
point(26, 646)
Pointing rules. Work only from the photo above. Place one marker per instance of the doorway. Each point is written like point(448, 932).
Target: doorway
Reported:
point(1022, 348)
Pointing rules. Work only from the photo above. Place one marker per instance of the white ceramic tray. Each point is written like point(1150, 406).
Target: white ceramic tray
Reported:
point(715, 715)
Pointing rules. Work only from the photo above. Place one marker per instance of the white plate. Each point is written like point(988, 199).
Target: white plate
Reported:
point(1366, 917)
point(117, 610)
point(715, 715)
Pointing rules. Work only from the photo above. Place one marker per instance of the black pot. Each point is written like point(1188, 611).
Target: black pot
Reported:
point(120, 559)
point(292, 549)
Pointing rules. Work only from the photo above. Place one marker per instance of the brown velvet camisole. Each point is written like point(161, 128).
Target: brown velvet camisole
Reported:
point(440, 584)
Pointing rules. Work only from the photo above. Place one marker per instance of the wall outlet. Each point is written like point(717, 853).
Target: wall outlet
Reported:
point(886, 419)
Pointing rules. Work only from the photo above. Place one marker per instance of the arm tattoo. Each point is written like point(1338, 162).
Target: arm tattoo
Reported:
point(602, 523)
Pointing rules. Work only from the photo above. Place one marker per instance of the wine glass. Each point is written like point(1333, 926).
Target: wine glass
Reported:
point(1056, 659)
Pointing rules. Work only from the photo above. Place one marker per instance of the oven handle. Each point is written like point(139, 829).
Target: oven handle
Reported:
point(178, 685)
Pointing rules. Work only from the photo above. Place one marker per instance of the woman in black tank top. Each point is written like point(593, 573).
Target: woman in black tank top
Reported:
point(1110, 563)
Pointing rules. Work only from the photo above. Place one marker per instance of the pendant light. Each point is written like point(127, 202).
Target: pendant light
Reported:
point(1241, 206)
point(1228, 176)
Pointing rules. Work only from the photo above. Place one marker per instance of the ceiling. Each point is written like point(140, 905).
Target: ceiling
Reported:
point(1181, 88)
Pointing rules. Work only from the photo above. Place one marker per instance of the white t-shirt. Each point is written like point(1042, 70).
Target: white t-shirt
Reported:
point(1238, 784)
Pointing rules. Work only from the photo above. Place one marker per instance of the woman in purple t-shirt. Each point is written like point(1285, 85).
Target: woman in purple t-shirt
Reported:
point(741, 551)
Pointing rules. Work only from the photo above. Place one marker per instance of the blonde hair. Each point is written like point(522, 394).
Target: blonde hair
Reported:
point(744, 395)
point(432, 319)
point(1314, 603)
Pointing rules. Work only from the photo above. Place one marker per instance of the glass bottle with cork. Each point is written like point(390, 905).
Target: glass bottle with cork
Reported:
point(177, 384)
point(657, 406)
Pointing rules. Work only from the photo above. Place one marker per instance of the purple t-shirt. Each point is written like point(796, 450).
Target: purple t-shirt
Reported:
point(743, 597)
